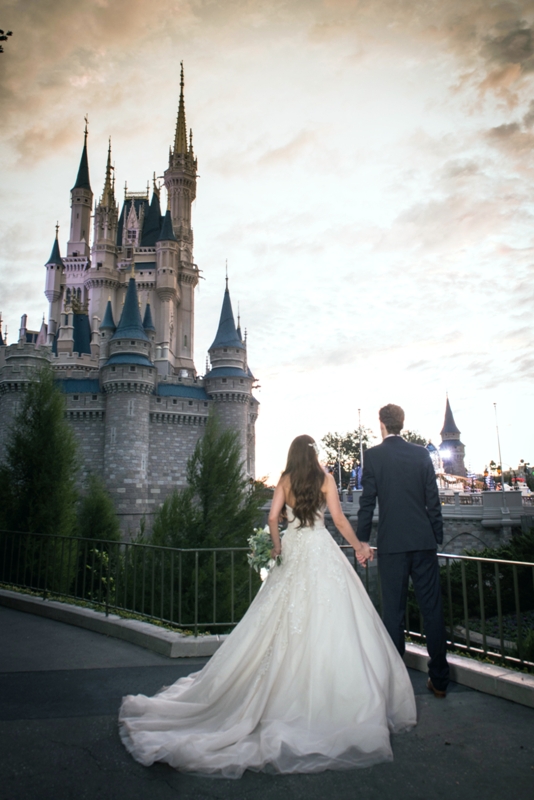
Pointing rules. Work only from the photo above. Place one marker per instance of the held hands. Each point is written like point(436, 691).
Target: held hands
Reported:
point(364, 554)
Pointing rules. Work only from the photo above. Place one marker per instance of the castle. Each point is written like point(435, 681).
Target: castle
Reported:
point(120, 339)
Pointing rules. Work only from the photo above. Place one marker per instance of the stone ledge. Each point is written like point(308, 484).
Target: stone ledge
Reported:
point(498, 681)
point(152, 637)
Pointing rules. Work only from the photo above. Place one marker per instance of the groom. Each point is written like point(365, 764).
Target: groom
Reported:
point(401, 476)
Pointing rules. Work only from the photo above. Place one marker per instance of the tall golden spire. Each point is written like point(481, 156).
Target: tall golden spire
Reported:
point(108, 195)
point(180, 138)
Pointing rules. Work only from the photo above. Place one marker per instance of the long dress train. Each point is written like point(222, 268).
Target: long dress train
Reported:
point(309, 680)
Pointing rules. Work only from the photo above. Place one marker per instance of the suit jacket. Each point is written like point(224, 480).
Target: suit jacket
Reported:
point(401, 476)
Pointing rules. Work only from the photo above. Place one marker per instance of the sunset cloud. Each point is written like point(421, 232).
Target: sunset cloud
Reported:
point(365, 166)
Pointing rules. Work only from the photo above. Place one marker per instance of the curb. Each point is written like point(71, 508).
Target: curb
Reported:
point(498, 681)
point(152, 637)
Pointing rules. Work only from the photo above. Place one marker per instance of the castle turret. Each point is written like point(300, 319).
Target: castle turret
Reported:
point(168, 294)
point(229, 383)
point(128, 379)
point(451, 449)
point(102, 279)
point(81, 206)
point(54, 277)
point(106, 219)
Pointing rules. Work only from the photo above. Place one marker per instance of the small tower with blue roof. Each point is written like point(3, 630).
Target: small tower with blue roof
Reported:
point(229, 383)
point(128, 379)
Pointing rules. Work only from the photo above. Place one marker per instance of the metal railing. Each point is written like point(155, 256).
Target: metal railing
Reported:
point(488, 603)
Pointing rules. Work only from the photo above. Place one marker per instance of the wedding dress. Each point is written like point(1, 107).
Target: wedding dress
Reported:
point(309, 680)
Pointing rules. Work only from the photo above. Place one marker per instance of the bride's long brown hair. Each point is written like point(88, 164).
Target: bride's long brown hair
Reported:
point(306, 477)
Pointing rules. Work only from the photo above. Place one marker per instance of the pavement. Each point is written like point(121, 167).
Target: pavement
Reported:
point(61, 686)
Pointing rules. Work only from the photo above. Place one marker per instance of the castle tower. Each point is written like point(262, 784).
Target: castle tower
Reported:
point(451, 449)
point(81, 206)
point(128, 380)
point(167, 258)
point(181, 183)
point(229, 383)
point(102, 280)
point(54, 278)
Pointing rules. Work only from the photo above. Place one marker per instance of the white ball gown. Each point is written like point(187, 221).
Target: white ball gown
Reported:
point(309, 679)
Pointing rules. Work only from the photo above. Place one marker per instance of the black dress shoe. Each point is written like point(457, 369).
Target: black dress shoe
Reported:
point(441, 693)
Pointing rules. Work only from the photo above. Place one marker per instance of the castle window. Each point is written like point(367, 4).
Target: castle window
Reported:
point(205, 405)
point(241, 380)
point(132, 342)
point(237, 351)
point(185, 340)
point(174, 402)
point(158, 399)
point(113, 435)
point(131, 408)
point(75, 396)
point(225, 349)
point(113, 369)
point(225, 380)
point(131, 235)
point(94, 397)
point(132, 369)
point(190, 402)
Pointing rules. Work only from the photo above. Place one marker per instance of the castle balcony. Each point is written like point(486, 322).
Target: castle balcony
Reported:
point(76, 263)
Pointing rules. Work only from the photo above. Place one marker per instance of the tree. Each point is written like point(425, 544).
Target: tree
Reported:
point(414, 437)
point(37, 488)
point(345, 447)
point(3, 38)
point(97, 518)
point(37, 480)
point(220, 507)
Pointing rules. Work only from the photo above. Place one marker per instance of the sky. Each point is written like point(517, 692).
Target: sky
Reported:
point(365, 166)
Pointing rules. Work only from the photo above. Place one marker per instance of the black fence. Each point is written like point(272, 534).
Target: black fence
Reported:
point(488, 603)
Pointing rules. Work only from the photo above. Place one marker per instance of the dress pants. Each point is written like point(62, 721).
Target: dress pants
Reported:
point(422, 566)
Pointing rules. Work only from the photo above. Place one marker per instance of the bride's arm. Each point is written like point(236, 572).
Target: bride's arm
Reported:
point(362, 549)
point(278, 502)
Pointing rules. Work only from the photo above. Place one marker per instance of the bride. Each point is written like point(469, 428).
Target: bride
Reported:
point(309, 680)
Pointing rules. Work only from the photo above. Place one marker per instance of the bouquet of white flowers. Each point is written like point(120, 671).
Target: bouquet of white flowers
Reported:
point(259, 557)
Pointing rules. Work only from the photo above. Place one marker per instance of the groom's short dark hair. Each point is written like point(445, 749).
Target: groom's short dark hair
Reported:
point(392, 417)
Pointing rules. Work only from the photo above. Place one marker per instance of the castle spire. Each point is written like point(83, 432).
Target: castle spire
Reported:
point(449, 430)
point(108, 197)
point(180, 137)
point(130, 325)
point(55, 255)
point(82, 180)
point(227, 335)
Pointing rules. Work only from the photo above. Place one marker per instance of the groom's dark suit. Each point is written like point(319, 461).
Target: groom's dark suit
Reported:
point(401, 476)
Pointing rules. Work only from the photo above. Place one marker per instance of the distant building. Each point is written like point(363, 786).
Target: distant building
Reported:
point(120, 338)
point(452, 450)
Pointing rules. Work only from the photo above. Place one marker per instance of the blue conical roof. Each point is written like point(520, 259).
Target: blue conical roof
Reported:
point(55, 255)
point(108, 321)
point(167, 233)
point(82, 180)
point(130, 325)
point(449, 425)
point(227, 335)
point(148, 325)
point(152, 223)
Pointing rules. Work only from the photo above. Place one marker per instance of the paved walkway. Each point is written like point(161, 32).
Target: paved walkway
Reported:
point(60, 688)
